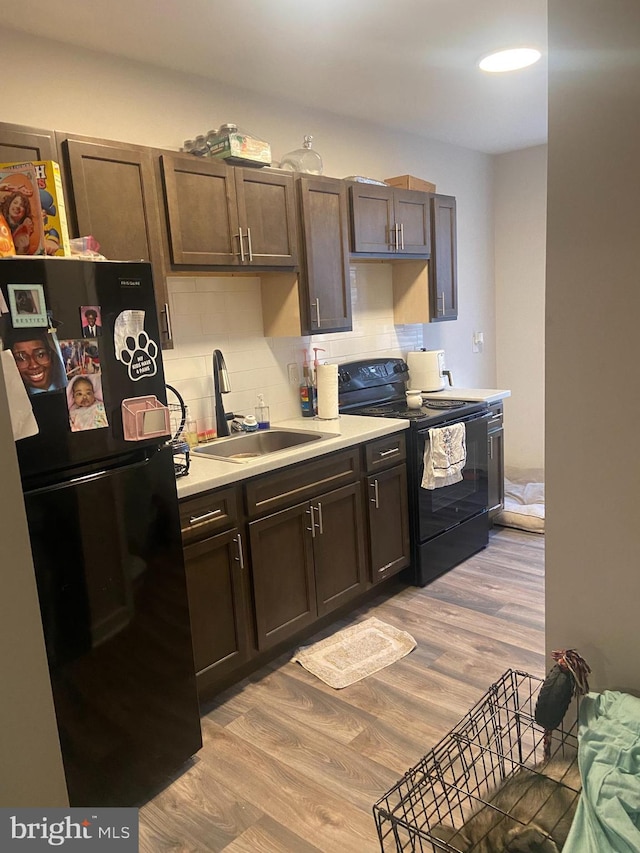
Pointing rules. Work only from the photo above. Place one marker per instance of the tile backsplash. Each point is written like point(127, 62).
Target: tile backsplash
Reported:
point(225, 313)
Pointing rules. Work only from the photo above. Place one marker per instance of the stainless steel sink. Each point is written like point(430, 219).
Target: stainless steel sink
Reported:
point(252, 445)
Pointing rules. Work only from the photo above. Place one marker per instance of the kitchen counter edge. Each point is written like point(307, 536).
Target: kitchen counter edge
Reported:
point(207, 474)
point(475, 395)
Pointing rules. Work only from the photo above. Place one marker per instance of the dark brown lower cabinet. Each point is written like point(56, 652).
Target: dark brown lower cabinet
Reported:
point(217, 605)
point(388, 515)
point(307, 561)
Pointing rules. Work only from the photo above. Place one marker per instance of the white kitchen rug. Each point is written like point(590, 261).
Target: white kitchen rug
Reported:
point(353, 653)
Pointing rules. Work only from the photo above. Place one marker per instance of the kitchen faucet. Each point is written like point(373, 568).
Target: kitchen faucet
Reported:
point(221, 385)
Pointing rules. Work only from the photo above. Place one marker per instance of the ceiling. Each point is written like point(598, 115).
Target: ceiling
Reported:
point(408, 64)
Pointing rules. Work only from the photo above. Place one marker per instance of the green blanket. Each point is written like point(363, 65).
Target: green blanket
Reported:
point(607, 819)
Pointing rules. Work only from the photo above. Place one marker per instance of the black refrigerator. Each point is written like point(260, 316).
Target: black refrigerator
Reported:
point(102, 510)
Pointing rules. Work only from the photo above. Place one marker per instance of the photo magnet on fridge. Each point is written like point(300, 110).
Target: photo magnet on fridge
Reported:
point(27, 305)
point(91, 317)
point(86, 406)
point(80, 356)
point(37, 355)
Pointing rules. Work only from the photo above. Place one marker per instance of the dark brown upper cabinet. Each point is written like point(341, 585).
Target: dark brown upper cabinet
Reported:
point(113, 197)
point(267, 218)
point(19, 144)
point(389, 222)
point(202, 212)
point(443, 266)
point(324, 241)
point(218, 215)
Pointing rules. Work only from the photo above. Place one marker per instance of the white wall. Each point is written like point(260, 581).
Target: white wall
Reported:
point(520, 246)
point(593, 306)
point(31, 771)
point(126, 101)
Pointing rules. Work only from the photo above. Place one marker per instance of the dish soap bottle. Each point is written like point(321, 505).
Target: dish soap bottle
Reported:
point(262, 413)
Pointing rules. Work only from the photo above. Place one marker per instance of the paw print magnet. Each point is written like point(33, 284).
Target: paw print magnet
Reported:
point(133, 346)
point(139, 355)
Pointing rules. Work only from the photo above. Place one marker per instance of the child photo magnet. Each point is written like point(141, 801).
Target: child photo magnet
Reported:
point(86, 407)
point(27, 305)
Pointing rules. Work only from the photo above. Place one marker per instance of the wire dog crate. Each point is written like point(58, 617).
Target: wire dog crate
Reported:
point(496, 738)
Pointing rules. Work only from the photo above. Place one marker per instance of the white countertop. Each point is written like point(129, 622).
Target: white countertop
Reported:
point(206, 473)
point(485, 395)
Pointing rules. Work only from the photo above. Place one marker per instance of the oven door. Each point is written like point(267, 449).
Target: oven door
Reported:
point(445, 507)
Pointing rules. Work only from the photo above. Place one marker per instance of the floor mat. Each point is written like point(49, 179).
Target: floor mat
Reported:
point(355, 652)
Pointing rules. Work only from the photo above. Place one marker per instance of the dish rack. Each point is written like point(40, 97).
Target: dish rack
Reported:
point(495, 739)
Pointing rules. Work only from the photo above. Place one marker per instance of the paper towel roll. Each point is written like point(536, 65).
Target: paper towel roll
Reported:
point(327, 381)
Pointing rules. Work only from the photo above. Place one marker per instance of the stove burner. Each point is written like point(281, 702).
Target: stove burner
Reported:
point(378, 410)
point(443, 404)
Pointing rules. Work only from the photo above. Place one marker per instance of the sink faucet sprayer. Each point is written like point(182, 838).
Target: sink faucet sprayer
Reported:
point(221, 385)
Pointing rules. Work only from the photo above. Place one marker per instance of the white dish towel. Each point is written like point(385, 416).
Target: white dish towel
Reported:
point(445, 455)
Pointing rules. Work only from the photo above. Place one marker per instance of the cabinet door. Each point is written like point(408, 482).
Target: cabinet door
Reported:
point(388, 513)
point(443, 267)
point(19, 144)
point(495, 438)
point(267, 217)
point(282, 564)
point(201, 209)
point(217, 605)
point(115, 200)
point(338, 547)
point(372, 218)
point(413, 221)
point(325, 244)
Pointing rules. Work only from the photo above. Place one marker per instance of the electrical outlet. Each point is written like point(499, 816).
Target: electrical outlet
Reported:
point(477, 342)
point(294, 373)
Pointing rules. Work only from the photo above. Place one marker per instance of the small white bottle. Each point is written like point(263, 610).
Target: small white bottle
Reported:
point(262, 413)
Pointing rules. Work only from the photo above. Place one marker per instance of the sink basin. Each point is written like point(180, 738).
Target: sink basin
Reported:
point(252, 445)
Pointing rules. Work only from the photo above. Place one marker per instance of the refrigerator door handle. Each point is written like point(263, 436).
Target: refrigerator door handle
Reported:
point(167, 317)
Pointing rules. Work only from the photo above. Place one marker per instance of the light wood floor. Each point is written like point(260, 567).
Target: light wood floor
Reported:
point(290, 765)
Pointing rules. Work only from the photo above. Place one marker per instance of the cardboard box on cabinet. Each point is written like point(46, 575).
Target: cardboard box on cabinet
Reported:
point(408, 182)
point(53, 214)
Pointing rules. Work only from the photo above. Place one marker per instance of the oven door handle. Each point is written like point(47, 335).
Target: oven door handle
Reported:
point(476, 416)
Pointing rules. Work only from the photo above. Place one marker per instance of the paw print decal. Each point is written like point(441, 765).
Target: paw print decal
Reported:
point(139, 355)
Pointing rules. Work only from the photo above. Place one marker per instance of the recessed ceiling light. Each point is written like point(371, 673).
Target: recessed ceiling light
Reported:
point(510, 60)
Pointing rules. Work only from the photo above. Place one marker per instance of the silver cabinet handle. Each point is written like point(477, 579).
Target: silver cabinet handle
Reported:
point(249, 245)
point(375, 500)
point(391, 452)
point(443, 302)
point(240, 239)
point(313, 524)
point(490, 447)
point(320, 527)
point(240, 557)
point(396, 229)
point(316, 302)
point(196, 519)
point(402, 236)
point(167, 317)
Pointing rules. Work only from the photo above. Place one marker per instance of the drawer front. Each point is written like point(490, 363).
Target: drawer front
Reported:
point(301, 482)
point(209, 513)
point(385, 452)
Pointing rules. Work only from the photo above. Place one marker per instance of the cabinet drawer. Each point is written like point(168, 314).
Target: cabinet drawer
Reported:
point(385, 452)
point(209, 513)
point(301, 482)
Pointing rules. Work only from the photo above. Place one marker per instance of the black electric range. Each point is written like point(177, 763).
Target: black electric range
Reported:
point(376, 387)
point(447, 524)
